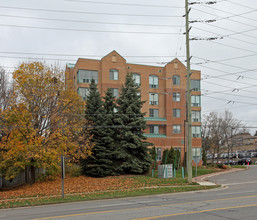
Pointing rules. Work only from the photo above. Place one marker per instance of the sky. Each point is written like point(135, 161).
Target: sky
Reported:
point(146, 32)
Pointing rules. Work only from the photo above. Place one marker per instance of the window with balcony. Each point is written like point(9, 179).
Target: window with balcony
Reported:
point(115, 92)
point(195, 85)
point(176, 97)
point(137, 79)
point(153, 99)
point(176, 129)
point(176, 80)
point(153, 81)
point(176, 113)
point(154, 129)
point(196, 116)
point(83, 92)
point(196, 131)
point(154, 113)
point(114, 75)
point(195, 101)
point(85, 76)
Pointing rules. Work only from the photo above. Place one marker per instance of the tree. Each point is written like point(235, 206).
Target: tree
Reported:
point(204, 157)
point(217, 129)
point(171, 156)
point(134, 152)
point(100, 119)
point(44, 122)
point(165, 155)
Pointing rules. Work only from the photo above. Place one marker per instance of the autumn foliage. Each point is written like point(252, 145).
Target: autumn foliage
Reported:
point(43, 122)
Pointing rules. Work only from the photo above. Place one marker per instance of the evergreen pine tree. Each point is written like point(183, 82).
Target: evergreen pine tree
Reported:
point(204, 158)
point(134, 152)
point(171, 156)
point(99, 117)
point(165, 155)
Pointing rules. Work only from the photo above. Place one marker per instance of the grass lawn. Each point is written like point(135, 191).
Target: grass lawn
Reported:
point(88, 188)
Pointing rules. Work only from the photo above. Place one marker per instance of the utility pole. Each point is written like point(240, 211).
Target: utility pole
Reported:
point(188, 96)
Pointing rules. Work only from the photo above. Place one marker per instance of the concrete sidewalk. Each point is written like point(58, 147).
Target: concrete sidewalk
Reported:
point(203, 180)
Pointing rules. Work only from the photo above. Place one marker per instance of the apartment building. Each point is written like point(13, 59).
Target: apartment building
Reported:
point(163, 89)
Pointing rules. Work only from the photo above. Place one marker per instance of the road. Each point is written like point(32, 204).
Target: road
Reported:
point(236, 200)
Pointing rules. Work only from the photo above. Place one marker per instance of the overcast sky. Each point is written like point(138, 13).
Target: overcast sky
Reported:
point(60, 31)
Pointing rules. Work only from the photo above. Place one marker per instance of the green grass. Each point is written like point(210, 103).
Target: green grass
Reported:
point(141, 185)
point(103, 195)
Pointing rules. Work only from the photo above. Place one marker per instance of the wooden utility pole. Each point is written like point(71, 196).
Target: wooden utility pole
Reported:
point(188, 96)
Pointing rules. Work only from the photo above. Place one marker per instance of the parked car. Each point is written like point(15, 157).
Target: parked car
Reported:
point(244, 161)
point(231, 162)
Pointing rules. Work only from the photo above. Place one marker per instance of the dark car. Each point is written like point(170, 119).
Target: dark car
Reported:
point(244, 161)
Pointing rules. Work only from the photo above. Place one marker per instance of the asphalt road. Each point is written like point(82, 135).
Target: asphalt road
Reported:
point(236, 200)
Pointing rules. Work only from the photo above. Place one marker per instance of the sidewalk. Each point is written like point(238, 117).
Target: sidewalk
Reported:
point(203, 180)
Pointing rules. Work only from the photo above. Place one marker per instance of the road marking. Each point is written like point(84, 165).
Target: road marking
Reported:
point(241, 183)
point(194, 212)
point(131, 209)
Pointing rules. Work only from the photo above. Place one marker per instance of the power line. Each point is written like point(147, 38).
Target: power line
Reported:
point(240, 4)
point(227, 59)
point(87, 12)
point(245, 70)
point(126, 4)
point(232, 14)
point(81, 30)
point(81, 55)
point(247, 24)
point(93, 22)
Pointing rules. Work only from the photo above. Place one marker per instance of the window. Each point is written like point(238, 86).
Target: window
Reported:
point(114, 74)
point(176, 97)
point(115, 92)
point(154, 113)
point(195, 84)
point(195, 101)
point(176, 80)
point(153, 81)
point(196, 152)
point(85, 76)
point(83, 92)
point(176, 113)
point(196, 131)
point(196, 116)
point(176, 129)
point(153, 99)
point(158, 153)
point(154, 129)
point(136, 78)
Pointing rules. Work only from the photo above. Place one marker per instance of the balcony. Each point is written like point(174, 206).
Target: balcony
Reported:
point(155, 135)
point(155, 119)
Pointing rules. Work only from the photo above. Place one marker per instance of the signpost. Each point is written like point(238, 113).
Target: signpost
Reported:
point(62, 173)
point(196, 157)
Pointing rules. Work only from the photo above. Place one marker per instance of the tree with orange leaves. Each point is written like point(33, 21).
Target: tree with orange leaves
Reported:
point(45, 122)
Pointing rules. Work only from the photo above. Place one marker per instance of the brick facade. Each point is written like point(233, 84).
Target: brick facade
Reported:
point(165, 137)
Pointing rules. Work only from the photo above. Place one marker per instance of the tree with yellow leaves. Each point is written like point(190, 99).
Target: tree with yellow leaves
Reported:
point(44, 122)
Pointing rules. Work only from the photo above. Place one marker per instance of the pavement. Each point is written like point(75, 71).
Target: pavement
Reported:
point(204, 179)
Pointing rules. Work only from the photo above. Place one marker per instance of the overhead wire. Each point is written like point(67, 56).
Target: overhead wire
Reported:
point(88, 12)
point(125, 4)
point(86, 21)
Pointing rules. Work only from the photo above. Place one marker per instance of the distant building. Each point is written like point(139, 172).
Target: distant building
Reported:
point(242, 139)
point(163, 89)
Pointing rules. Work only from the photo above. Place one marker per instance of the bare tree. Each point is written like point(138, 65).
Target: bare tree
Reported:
point(217, 129)
point(5, 90)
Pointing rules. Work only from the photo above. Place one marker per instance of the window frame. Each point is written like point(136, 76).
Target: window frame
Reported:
point(134, 76)
point(176, 112)
point(112, 74)
point(193, 114)
point(92, 74)
point(176, 95)
point(194, 101)
point(176, 80)
point(154, 129)
point(153, 84)
point(116, 95)
point(174, 128)
point(153, 101)
point(87, 91)
point(195, 129)
point(153, 113)
point(196, 82)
